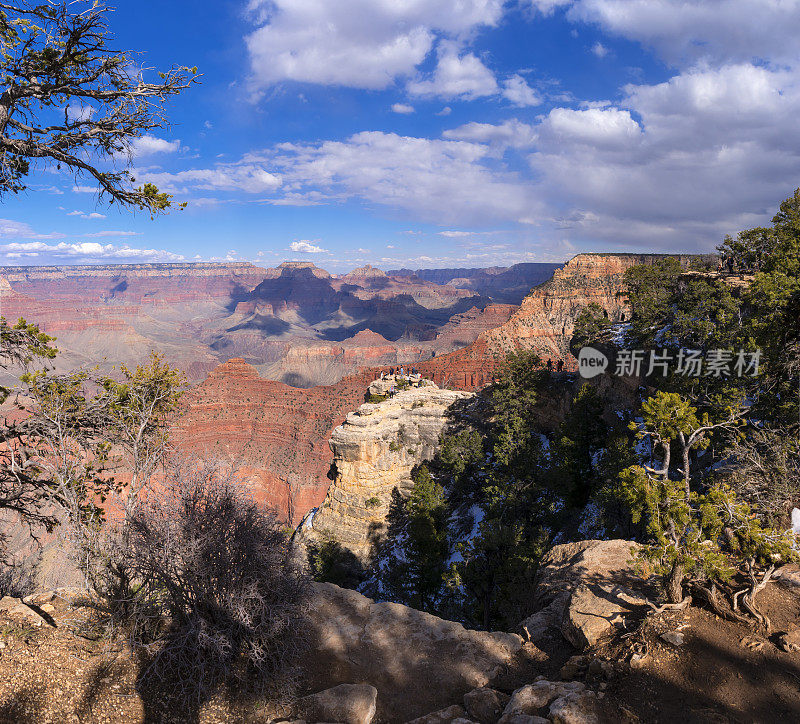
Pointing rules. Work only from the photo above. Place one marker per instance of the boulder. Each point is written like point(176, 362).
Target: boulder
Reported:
point(579, 707)
point(532, 698)
point(584, 590)
point(20, 612)
point(448, 715)
point(344, 704)
point(485, 705)
point(399, 650)
point(524, 719)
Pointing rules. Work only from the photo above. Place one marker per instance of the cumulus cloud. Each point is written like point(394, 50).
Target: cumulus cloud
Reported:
point(355, 43)
point(457, 75)
point(600, 50)
point(403, 108)
point(84, 215)
point(306, 247)
point(519, 93)
point(681, 32)
point(436, 180)
point(147, 145)
point(511, 133)
point(242, 176)
point(85, 251)
point(708, 155)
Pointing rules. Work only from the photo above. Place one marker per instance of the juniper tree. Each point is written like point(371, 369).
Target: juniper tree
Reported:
point(70, 100)
point(697, 535)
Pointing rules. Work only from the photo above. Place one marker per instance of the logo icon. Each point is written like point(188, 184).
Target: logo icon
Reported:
point(591, 362)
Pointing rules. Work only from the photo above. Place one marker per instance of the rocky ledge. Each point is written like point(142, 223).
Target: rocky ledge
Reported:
point(374, 452)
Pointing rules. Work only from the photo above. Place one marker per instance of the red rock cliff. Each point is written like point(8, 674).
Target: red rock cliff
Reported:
point(279, 434)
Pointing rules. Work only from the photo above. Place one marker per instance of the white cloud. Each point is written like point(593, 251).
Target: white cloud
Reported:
point(510, 133)
point(147, 145)
point(600, 50)
point(446, 111)
point(356, 43)
point(242, 176)
point(11, 229)
point(78, 112)
point(85, 251)
point(519, 93)
point(306, 247)
point(683, 31)
point(597, 127)
point(455, 234)
point(457, 75)
point(403, 108)
point(436, 180)
point(84, 215)
point(710, 154)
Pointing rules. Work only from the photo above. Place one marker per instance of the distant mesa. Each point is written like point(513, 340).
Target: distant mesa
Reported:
point(364, 272)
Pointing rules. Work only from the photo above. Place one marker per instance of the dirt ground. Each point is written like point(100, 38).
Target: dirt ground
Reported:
point(724, 672)
point(52, 675)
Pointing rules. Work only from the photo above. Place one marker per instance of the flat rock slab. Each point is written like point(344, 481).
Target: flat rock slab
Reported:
point(418, 663)
point(346, 704)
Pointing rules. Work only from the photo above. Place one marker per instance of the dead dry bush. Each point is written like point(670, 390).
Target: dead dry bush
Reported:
point(212, 594)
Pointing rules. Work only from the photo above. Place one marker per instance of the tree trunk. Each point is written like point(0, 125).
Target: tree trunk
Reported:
point(675, 583)
point(686, 463)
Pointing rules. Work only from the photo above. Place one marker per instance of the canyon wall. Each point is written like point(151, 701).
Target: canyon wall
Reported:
point(545, 320)
point(135, 283)
point(276, 433)
point(374, 452)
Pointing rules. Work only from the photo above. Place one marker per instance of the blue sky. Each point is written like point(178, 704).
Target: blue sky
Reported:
point(428, 133)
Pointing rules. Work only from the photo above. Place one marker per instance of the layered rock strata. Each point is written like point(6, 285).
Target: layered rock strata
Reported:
point(276, 433)
point(374, 452)
point(545, 320)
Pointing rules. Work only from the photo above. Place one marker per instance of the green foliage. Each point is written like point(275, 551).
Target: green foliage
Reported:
point(513, 402)
point(592, 326)
point(771, 306)
point(705, 534)
point(21, 345)
point(579, 443)
point(651, 291)
point(668, 414)
point(418, 527)
point(497, 571)
point(372, 502)
point(330, 562)
point(376, 398)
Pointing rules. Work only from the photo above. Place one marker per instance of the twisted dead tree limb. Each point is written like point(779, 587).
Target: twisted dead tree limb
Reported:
point(685, 603)
point(711, 596)
point(748, 599)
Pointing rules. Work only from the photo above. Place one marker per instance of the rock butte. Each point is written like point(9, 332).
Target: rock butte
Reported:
point(545, 320)
point(374, 452)
point(296, 323)
point(282, 432)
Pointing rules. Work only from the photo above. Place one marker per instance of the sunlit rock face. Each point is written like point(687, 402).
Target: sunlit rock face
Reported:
point(545, 321)
point(374, 452)
point(277, 434)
